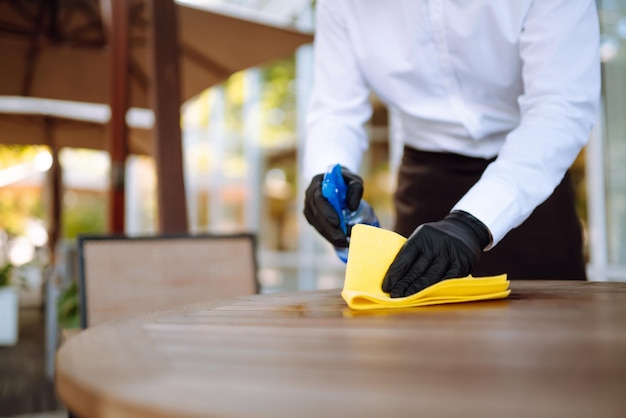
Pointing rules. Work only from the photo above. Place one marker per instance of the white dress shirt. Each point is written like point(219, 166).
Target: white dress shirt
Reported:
point(519, 79)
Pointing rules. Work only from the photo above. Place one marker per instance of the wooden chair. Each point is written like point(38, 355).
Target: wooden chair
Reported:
point(125, 276)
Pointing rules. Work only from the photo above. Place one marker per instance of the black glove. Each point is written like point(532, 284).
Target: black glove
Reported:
point(436, 251)
point(319, 212)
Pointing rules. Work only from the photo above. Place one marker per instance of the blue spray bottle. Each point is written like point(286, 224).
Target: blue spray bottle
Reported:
point(334, 189)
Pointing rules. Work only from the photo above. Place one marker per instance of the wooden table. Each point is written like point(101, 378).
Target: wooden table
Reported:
point(552, 349)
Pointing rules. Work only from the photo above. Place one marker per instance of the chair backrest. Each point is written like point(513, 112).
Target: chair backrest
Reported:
point(125, 276)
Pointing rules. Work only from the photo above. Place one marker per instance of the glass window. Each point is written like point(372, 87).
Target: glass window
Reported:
point(613, 55)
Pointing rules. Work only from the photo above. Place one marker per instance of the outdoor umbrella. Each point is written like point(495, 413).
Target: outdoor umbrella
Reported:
point(57, 49)
point(58, 132)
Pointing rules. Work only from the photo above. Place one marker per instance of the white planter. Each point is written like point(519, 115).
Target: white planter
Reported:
point(8, 315)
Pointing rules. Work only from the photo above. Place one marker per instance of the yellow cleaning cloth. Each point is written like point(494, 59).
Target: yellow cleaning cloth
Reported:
point(372, 250)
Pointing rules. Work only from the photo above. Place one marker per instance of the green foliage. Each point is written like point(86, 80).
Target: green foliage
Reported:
point(5, 274)
point(68, 312)
point(11, 155)
point(17, 205)
point(279, 101)
point(85, 213)
point(234, 90)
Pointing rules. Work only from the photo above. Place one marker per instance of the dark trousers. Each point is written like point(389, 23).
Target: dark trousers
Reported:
point(548, 245)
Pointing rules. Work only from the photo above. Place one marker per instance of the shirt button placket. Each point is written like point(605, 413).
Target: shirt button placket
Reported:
point(438, 24)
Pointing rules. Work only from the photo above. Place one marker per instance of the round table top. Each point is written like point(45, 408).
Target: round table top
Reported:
point(552, 348)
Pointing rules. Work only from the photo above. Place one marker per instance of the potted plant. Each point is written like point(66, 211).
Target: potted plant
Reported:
point(8, 307)
point(68, 309)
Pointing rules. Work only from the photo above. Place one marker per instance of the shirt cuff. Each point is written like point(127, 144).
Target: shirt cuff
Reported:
point(493, 202)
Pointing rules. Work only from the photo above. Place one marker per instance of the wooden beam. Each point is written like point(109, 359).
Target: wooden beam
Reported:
point(54, 182)
point(116, 20)
point(164, 57)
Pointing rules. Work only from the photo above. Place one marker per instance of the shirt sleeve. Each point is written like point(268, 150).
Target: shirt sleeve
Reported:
point(559, 47)
point(339, 107)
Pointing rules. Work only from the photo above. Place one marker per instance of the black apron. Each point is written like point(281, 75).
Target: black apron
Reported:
point(548, 245)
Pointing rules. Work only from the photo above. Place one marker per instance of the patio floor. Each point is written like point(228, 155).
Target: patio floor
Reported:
point(24, 388)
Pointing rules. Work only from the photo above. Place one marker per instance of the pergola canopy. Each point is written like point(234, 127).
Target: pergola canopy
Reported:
point(57, 49)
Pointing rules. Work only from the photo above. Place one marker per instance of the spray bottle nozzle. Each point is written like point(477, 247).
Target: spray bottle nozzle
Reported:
point(334, 190)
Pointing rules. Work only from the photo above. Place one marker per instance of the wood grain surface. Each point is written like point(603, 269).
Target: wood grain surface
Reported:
point(552, 349)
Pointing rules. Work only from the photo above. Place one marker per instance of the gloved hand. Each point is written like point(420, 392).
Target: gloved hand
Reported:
point(319, 212)
point(436, 251)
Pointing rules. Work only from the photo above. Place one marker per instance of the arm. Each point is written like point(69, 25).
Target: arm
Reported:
point(561, 76)
point(336, 120)
point(559, 47)
point(339, 105)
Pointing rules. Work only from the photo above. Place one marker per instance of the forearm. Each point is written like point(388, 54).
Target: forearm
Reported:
point(561, 74)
